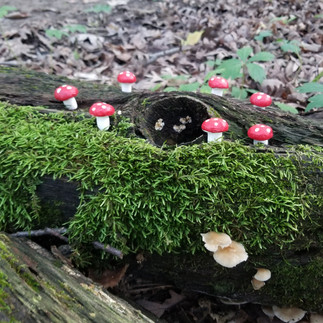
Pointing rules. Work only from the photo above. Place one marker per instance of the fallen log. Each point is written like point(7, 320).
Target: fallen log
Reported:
point(145, 109)
point(35, 286)
point(129, 193)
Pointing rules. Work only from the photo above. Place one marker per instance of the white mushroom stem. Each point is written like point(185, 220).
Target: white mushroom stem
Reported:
point(214, 136)
point(126, 87)
point(265, 142)
point(70, 104)
point(216, 91)
point(103, 123)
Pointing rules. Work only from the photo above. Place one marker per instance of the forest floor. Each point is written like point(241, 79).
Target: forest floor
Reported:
point(168, 44)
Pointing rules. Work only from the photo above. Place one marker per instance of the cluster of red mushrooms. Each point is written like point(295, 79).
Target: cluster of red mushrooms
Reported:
point(214, 127)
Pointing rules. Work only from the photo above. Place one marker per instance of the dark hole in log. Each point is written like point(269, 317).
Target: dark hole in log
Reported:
point(175, 120)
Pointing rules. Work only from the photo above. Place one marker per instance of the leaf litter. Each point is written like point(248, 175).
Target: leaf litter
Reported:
point(168, 43)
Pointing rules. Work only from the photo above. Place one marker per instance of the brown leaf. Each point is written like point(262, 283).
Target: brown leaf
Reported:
point(109, 278)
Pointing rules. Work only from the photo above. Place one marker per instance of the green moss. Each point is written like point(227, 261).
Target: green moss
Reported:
point(137, 196)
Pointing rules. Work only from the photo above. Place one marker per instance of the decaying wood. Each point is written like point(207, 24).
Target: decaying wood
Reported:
point(41, 288)
point(146, 109)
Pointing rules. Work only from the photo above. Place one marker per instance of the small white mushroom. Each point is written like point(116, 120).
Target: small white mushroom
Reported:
point(212, 240)
point(231, 256)
point(289, 314)
point(257, 284)
point(179, 128)
point(262, 274)
point(159, 125)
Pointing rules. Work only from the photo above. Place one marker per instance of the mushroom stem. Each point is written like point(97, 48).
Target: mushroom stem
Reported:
point(103, 123)
point(265, 142)
point(70, 104)
point(216, 91)
point(216, 136)
point(126, 87)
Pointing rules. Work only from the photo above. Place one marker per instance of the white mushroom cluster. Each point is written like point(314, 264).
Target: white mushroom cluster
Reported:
point(258, 280)
point(159, 125)
point(285, 314)
point(226, 252)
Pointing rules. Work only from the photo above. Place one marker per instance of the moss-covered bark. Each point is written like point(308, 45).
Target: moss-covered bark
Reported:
point(24, 87)
point(36, 287)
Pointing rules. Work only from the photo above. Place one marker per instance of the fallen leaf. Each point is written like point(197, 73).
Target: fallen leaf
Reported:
point(193, 38)
point(109, 278)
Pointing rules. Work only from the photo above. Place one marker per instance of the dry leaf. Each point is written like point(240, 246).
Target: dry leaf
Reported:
point(192, 38)
point(109, 278)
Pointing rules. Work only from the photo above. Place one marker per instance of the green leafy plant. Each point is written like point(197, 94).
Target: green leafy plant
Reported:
point(65, 31)
point(316, 101)
point(289, 46)
point(286, 107)
point(4, 10)
point(99, 8)
point(263, 34)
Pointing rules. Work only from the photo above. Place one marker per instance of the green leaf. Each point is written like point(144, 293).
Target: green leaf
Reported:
point(310, 87)
point(209, 75)
point(286, 107)
point(205, 89)
point(263, 34)
point(5, 9)
point(170, 89)
point(76, 28)
point(239, 93)
point(191, 87)
point(262, 57)
point(56, 33)
point(290, 46)
point(99, 8)
point(316, 101)
point(244, 53)
point(231, 68)
point(256, 72)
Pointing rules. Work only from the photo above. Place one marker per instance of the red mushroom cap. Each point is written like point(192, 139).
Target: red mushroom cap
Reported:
point(65, 92)
point(126, 77)
point(218, 82)
point(101, 109)
point(215, 125)
point(260, 99)
point(260, 132)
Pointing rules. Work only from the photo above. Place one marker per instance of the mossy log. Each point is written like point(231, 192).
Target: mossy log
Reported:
point(145, 109)
point(35, 286)
point(138, 197)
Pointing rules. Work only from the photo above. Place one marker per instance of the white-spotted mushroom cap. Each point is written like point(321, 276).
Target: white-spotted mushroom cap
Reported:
point(101, 109)
point(260, 132)
point(260, 99)
point(215, 125)
point(257, 284)
point(126, 77)
point(289, 314)
point(65, 92)
point(231, 256)
point(212, 240)
point(262, 274)
point(218, 82)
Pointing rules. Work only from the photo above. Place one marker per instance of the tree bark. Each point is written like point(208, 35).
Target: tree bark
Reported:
point(147, 109)
point(37, 287)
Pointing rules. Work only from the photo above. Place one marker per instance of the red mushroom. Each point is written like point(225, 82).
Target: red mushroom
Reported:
point(260, 133)
point(218, 84)
point(126, 79)
point(102, 111)
point(214, 128)
point(261, 100)
point(67, 94)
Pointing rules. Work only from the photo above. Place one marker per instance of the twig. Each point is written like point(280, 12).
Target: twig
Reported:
point(107, 248)
point(166, 52)
point(58, 232)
